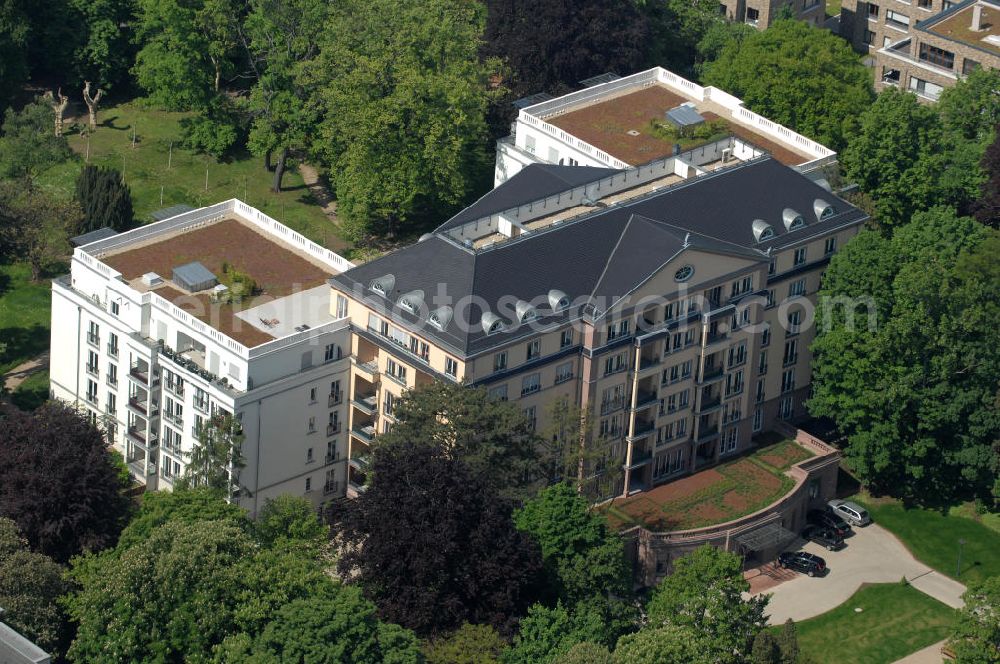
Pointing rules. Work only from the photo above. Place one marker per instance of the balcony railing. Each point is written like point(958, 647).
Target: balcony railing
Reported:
point(609, 406)
point(640, 457)
point(711, 373)
point(334, 399)
point(331, 457)
point(92, 369)
point(361, 463)
point(93, 339)
point(138, 435)
point(707, 434)
point(140, 373)
point(368, 403)
point(642, 427)
point(366, 432)
point(112, 350)
point(370, 367)
point(648, 363)
point(333, 429)
point(140, 405)
point(644, 399)
point(91, 397)
point(710, 402)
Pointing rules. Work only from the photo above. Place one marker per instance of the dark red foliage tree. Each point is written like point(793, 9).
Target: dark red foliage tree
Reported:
point(434, 546)
point(553, 44)
point(987, 208)
point(58, 481)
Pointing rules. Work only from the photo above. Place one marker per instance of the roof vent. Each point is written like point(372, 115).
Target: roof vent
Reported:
point(194, 277)
point(440, 317)
point(492, 323)
point(525, 311)
point(468, 243)
point(412, 301)
point(151, 279)
point(558, 300)
point(588, 202)
point(762, 230)
point(383, 285)
point(823, 182)
point(684, 115)
point(793, 220)
point(425, 236)
point(823, 209)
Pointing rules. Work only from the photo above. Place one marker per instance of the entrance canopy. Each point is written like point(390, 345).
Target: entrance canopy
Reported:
point(770, 536)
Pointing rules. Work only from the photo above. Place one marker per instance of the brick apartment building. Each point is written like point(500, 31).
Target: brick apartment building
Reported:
point(762, 13)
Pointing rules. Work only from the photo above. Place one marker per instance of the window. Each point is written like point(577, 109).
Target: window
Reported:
point(737, 355)
point(683, 398)
point(566, 338)
point(744, 285)
point(93, 333)
point(500, 361)
point(682, 426)
point(684, 273)
point(829, 246)
point(612, 398)
point(791, 352)
point(937, 56)
point(529, 143)
point(450, 366)
point(969, 66)
point(112, 405)
point(690, 337)
point(758, 420)
point(309, 484)
point(869, 37)
point(534, 350)
point(333, 423)
point(91, 362)
point(730, 440)
point(753, 16)
point(610, 427)
point(312, 425)
point(564, 372)
point(620, 329)
point(786, 409)
point(115, 307)
point(389, 404)
point(331, 352)
point(770, 298)
point(92, 392)
point(925, 88)
point(341, 306)
point(529, 414)
point(800, 256)
point(762, 363)
point(615, 363)
point(200, 400)
point(671, 403)
point(309, 455)
point(531, 384)
point(765, 337)
point(686, 369)
point(112, 374)
point(770, 267)
point(794, 322)
point(797, 288)
point(734, 383)
point(788, 381)
point(758, 395)
point(872, 12)
point(335, 394)
point(897, 20)
point(395, 370)
point(312, 394)
point(113, 345)
point(924, 4)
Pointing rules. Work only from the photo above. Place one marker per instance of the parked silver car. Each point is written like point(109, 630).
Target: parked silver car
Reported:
point(852, 513)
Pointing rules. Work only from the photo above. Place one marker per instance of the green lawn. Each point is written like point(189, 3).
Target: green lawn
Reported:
point(933, 538)
point(146, 172)
point(896, 620)
point(833, 7)
point(33, 392)
point(24, 316)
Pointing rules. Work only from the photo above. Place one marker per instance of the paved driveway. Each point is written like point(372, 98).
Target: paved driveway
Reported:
point(872, 555)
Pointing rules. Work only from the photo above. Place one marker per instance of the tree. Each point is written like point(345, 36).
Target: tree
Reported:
point(58, 482)
point(215, 460)
point(58, 102)
point(35, 224)
point(765, 649)
point(14, 31)
point(704, 594)
point(585, 652)
point(914, 390)
point(434, 546)
point(582, 558)
point(92, 101)
point(976, 639)
point(552, 45)
point(184, 506)
point(469, 644)
point(27, 144)
point(105, 51)
point(492, 438)
point(106, 200)
point(971, 108)
point(548, 633)
point(30, 585)
point(404, 95)
point(290, 521)
point(572, 449)
point(896, 133)
point(788, 643)
point(987, 207)
point(804, 77)
point(671, 644)
point(282, 35)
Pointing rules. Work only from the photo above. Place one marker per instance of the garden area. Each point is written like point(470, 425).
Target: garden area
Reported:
point(879, 624)
point(716, 495)
point(933, 536)
point(24, 329)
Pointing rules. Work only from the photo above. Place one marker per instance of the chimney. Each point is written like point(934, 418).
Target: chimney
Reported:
point(977, 17)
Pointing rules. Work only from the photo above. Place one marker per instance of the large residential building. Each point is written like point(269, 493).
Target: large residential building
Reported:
point(762, 13)
point(151, 338)
point(666, 290)
point(618, 123)
point(924, 46)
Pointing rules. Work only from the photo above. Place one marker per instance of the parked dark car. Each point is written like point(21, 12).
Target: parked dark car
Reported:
point(826, 537)
point(800, 561)
point(828, 519)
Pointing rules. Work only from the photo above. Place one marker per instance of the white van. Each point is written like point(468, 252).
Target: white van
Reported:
point(852, 513)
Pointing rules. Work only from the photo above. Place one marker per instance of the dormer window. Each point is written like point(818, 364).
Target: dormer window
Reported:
point(525, 312)
point(793, 220)
point(492, 323)
point(558, 300)
point(684, 273)
point(762, 230)
point(412, 301)
point(823, 209)
point(383, 285)
point(440, 317)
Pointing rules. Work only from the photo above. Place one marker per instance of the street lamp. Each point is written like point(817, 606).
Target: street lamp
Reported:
point(958, 568)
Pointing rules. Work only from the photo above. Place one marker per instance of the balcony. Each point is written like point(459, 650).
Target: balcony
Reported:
point(710, 403)
point(141, 406)
point(648, 363)
point(331, 457)
point(640, 457)
point(370, 367)
point(140, 373)
point(367, 403)
point(716, 338)
point(707, 434)
point(173, 418)
point(334, 399)
point(176, 387)
point(642, 428)
point(92, 369)
point(138, 435)
point(711, 373)
point(360, 463)
point(645, 399)
point(365, 433)
point(91, 398)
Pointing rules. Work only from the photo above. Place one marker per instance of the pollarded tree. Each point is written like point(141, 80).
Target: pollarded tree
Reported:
point(914, 393)
point(58, 481)
point(804, 77)
point(30, 585)
point(434, 546)
point(106, 201)
point(552, 45)
point(492, 438)
point(703, 594)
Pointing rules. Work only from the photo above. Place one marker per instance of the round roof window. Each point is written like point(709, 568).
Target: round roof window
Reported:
point(684, 273)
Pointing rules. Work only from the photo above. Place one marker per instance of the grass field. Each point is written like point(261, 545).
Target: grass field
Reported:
point(933, 538)
point(33, 392)
point(158, 136)
point(24, 316)
point(895, 620)
point(833, 7)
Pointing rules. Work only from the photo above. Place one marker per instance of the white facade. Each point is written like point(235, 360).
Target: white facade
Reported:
point(533, 140)
point(152, 372)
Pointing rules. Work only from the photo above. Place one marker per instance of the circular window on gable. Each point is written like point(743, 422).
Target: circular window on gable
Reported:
point(684, 273)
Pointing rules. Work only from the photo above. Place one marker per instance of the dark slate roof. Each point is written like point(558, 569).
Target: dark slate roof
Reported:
point(532, 183)
point(93, 236)
point(604, 254)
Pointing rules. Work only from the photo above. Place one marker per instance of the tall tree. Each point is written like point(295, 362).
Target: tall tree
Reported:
point(106, 51)
point(553, 44)
point(290, 520)
point(106, 201)
point(987, 208)
point(469, 644)
point(56, 448)
point(404, 97)
point(15, 29)
point(670, 644)
point(548, 633)
point(30, 585)
point(804, 77)
point(492, 438)
point(184, 506)
point(216, 459)
point(585, 652)
point(976, 639)
point(703, 594)
point(914, 389)
point(36, 224)
point(28, 145)
point(434, 546)
point(971, 107)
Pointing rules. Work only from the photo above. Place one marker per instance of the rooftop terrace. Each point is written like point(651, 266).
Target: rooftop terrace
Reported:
point(621, 126)
point(958, 25)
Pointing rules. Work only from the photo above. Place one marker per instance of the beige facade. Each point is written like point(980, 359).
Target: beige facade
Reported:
point(923, 46)
point(762, 13)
